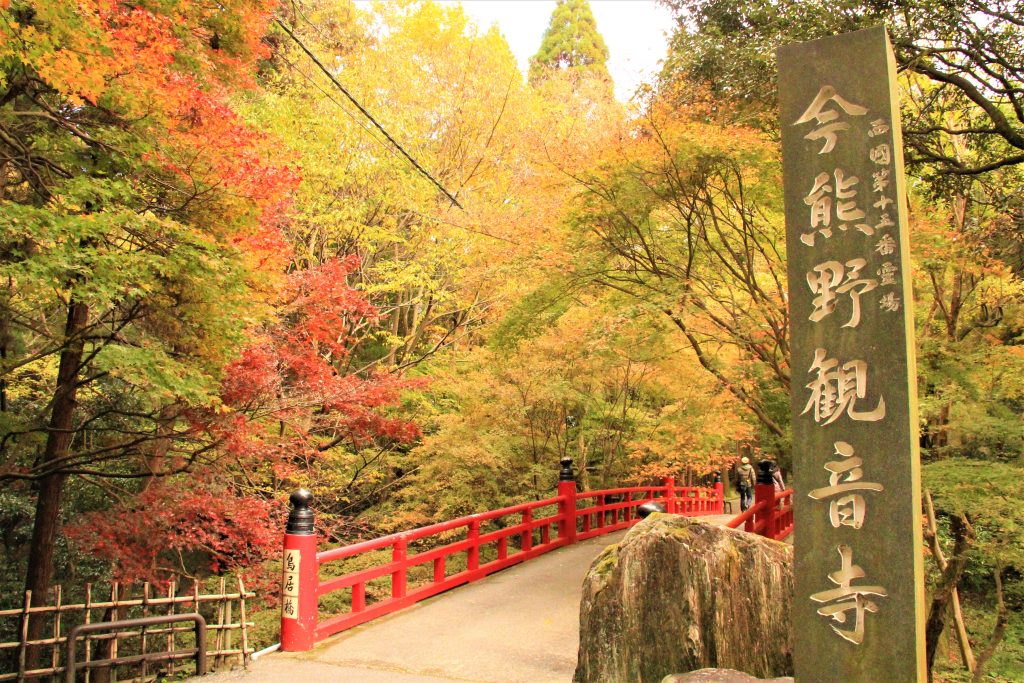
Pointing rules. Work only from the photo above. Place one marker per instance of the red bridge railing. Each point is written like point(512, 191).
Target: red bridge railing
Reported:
point(445, 555)
point(771, 514)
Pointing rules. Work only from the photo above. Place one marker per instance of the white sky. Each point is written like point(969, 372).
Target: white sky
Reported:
point(635, 31)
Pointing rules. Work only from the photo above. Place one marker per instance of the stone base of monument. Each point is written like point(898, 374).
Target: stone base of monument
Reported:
point(678, 595)
point(721, 676)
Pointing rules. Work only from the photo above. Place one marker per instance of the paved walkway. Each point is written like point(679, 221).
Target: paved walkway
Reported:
point(518, 625)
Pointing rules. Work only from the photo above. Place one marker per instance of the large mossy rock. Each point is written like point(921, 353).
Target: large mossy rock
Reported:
point(678, 595)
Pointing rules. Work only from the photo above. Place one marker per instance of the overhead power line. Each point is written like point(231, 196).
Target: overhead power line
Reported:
point(365, 127)
point(367, 114)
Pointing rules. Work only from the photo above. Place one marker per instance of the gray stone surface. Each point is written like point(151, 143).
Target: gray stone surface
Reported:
point(866, 534)
point(721, 676)
point(678, 595)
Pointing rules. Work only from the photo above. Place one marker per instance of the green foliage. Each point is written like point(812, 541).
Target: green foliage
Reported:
point(421, 261)
point(684, 218)
point(167, 308)
point(973, 390)
point(571, 42)
point(1007, 663)
point(989, 493)
point(602, 384)
point(533, 313)
point(961, 109)
point(730, 47)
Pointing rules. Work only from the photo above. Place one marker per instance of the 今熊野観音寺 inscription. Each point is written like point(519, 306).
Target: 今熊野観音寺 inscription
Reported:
point(859, 609)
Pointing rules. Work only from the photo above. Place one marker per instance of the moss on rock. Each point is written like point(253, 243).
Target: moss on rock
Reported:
point(678, 595)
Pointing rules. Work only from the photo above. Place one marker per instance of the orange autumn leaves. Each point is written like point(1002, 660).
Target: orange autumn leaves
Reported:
point(170, 75)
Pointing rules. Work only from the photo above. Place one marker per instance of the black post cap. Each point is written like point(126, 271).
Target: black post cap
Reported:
point(300, 519)
point(645, 510)
point(764, 472)
point(566, 474)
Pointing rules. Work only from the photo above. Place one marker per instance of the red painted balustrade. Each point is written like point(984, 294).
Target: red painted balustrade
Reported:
point(771, 515)
point(527, 530)
point(601, 512)
point(448, 554)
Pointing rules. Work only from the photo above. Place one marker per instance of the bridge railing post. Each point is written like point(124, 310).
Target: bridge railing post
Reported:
point(473, 553)
point(300, 577)
point(670, 494)
point(764, 498)
point(719, 494)
point(399, 576)
point(567, 506)
point(526, 538)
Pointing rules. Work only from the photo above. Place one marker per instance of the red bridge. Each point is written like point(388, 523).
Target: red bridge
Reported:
point(423, 562)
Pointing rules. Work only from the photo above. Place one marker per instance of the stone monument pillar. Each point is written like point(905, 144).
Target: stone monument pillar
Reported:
point(859, 600)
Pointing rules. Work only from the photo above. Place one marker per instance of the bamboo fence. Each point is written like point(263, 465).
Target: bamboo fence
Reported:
point(155, 651)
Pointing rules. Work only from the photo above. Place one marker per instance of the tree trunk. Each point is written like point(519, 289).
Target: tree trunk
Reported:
point(997, 632)
point(51, 486)
point(581, 460)
point(395, 329)
point(154, 460)
point(745, 397)
point(5, 333)
point(963, 535)
point(966, 654)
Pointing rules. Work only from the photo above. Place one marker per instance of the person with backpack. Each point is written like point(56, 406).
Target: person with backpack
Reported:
point(745, 480)
point(777, 480)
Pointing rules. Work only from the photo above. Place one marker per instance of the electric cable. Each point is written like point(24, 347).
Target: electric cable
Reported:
point(367, 114)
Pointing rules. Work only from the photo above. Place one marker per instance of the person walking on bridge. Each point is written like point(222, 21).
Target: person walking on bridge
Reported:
point(777, 480)
point(745, 480)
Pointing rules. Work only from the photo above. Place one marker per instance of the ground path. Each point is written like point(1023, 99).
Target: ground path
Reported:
point(518, 625)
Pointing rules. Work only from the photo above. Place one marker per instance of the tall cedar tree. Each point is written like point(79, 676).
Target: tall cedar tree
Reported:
point(571, 42)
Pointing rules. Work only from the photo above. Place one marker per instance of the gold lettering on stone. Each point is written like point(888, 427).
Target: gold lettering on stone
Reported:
point(831, 278)
point(881, 155)
point(840, 195)
point(826, 117)
point(878, 127)
point(886, 246)
point(845, 508)
point(880, 180)
point(836, 390)
point(887, 273)
point(847, 597)
point(889, 302)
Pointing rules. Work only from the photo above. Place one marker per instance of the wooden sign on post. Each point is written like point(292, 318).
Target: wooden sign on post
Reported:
point(859, 603)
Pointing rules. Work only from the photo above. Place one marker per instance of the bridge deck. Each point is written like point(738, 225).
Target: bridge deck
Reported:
point(521, 624)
